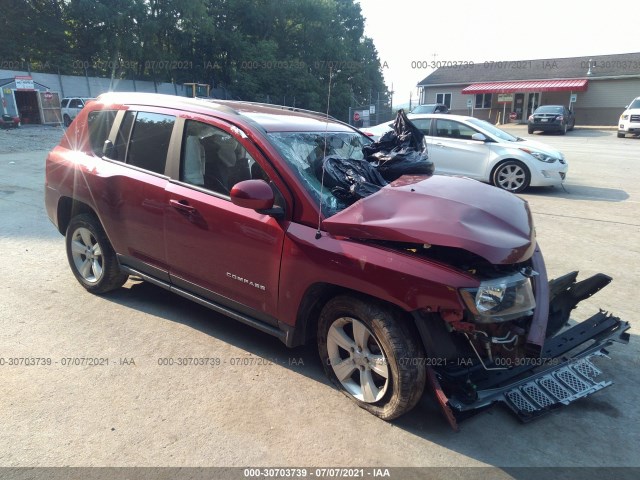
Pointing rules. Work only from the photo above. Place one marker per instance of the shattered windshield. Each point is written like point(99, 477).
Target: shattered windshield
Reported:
point(304, 152)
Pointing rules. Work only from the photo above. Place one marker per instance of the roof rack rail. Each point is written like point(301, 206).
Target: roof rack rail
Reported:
point(142, 98)
point(291, 109)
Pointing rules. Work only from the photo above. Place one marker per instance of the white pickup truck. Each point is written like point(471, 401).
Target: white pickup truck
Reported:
point(71, 106)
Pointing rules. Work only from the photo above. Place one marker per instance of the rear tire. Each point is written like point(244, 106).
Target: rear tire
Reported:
point(371, 356)
point(91, 256)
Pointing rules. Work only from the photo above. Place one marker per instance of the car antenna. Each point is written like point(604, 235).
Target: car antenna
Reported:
point(324, 154)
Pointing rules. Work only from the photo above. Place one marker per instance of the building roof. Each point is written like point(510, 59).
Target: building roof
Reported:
point(575, 85)
point(7, 81)
point(618, 65)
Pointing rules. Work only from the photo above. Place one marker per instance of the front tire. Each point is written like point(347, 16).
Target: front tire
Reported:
point(91, 256)
point(67, 120)
point(371, 356)
point(620, 135)
point(512, 176)
point(564, 129)
point(530, 130)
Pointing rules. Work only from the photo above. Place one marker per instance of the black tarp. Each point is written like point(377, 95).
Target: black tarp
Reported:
point(401, 151)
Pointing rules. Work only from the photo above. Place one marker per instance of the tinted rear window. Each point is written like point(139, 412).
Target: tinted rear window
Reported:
point(149, 141)
point(100, 123)
point(549, 109)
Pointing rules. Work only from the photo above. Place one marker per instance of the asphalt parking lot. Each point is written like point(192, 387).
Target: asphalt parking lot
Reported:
point(263, 404)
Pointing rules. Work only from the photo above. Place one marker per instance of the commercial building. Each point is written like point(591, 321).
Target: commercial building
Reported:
point(596, 88)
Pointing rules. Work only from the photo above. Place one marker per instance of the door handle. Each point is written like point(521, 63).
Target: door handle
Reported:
point(183, 206)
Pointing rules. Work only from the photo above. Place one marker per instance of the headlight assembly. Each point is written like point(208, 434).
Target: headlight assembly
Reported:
point(500, 299)
point(543, 157)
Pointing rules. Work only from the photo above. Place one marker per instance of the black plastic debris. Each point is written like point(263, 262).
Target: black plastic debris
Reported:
point(397, 153)
point(349, 179)
point(401, 151)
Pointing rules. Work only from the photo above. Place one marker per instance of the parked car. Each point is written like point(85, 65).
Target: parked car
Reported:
point(70, 108)
point(431, 280)
point(376, 131)
point(630, 119)
point(461, 145)
point(7, 121)
point(431, 108)
point(551, 118)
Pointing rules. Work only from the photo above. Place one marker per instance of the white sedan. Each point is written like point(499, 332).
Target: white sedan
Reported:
point(467, 146)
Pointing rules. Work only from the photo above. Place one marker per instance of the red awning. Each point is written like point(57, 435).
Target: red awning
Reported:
point(574, 85)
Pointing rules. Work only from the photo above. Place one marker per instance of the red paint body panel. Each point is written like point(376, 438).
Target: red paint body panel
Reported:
point(398, 278)
point(130, 203)
point(220, 245)
point(442, 210)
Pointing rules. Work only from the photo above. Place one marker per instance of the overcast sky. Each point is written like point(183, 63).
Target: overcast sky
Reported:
point(406, 31)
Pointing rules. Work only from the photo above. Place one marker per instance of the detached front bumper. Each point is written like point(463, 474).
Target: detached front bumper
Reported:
point(563, 374)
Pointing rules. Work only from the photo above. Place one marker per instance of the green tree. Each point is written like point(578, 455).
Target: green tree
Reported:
point(260, 50)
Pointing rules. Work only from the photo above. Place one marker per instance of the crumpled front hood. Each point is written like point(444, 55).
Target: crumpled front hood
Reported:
point(442, 210)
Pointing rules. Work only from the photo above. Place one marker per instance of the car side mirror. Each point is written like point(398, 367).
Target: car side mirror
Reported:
point(478, 137)
point(108, 149)
point(256, 195)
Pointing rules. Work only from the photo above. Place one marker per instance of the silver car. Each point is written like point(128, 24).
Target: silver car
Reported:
point(467, 146)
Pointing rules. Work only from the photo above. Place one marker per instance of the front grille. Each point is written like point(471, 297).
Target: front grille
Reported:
point(546, 119)
point(635, 118)
point(560, 387)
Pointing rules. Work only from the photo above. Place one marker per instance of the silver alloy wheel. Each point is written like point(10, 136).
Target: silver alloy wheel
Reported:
point(511, 177)
point(357, 360)
point(87, 255)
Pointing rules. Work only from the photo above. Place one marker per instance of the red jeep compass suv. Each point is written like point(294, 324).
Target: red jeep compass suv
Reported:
point(432, 280)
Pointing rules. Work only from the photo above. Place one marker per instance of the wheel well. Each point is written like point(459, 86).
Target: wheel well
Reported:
point(69, 208)
point(314, 300)
point(503, 161)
